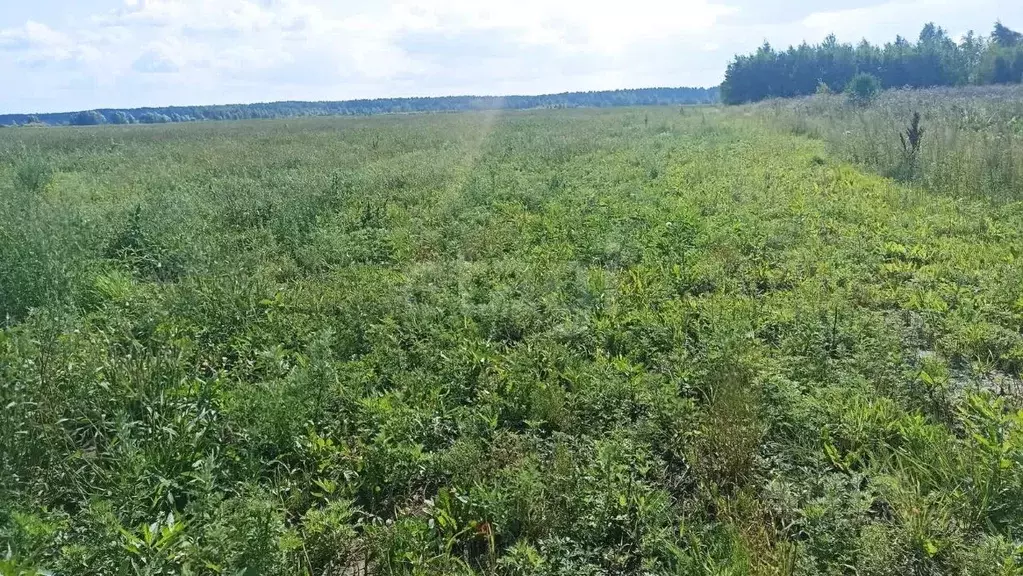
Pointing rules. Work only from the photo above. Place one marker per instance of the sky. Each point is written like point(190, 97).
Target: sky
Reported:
point(61, 55)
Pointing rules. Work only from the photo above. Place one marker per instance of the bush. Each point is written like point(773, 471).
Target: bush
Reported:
point(88, 118)
point(863, 89)
point(154, 118)
point(120, 117)
point(33, 175)
point(330, 537)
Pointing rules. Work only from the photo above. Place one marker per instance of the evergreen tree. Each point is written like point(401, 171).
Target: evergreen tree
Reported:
point(1005, 37)
point(935, 59)
point(1003, 70)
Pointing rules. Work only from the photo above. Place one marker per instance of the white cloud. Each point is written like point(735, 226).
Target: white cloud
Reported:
point(35, 42)
point(352, 43)
point(588, 24)
point(880, 23)
point(155, 62)
point(214, 51)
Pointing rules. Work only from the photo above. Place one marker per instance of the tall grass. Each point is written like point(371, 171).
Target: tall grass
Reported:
point(544, 343)
point(972, 147)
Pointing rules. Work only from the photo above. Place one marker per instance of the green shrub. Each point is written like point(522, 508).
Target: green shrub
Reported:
point(33, 174)
point(863, 89)
point(330, 539)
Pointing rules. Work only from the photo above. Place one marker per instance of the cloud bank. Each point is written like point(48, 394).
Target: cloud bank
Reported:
point(160, 52)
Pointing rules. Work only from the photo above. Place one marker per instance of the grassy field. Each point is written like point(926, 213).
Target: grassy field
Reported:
point(971, 144)
point(635, 341)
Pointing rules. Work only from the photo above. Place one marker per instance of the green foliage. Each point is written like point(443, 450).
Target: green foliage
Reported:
point(329, 537)
point(863, 89)
point(135, 248)
point(1005, 37)
point(597, 99)
point(911, 140)
point(935, 59)
point(556, 342)
point(153, 118)
point(87, 118)
point(120, 117)
point(913, 137)
point(959, 142)
point(32, 175)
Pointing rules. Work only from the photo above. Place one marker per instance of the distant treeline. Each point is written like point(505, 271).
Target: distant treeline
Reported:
point(935, 59)
point(638, 97)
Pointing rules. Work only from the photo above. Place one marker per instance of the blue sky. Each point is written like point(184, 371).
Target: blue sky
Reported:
point(58, 55)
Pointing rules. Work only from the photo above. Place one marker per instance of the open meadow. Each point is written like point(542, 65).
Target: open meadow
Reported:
point(629, 341)
point(971, 139)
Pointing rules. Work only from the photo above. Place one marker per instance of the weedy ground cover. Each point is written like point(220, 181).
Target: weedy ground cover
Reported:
point(556, 342)
point(971, 143)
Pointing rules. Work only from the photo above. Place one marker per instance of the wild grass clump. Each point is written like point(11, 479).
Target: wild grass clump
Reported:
point(40, 238)
point(32, 175)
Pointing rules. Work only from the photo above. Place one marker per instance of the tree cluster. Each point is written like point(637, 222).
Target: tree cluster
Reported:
point(637, 97)
point(935, 59)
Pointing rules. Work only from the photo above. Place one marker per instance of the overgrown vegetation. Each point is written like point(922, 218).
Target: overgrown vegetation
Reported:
point(960, 142)
point(572, 342)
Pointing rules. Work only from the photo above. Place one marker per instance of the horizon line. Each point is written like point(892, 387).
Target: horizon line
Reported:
point(348, 100)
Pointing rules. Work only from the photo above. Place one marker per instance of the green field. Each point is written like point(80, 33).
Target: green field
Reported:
point(632, 341)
